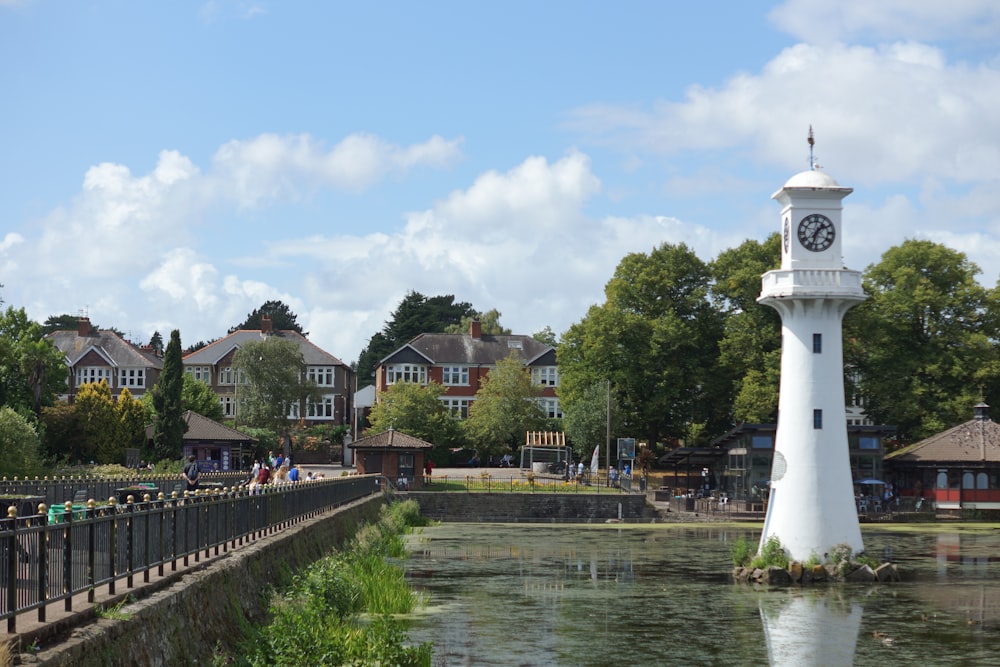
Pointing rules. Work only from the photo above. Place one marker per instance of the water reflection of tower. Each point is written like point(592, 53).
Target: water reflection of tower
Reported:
point(812, 628)
point(811, 507)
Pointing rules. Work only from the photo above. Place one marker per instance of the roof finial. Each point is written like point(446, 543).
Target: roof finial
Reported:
point(812, 142)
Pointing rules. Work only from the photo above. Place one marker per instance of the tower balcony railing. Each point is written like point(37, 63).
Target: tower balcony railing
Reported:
point(812, 281)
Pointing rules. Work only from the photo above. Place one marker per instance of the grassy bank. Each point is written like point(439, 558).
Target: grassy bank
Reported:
point(341, 610)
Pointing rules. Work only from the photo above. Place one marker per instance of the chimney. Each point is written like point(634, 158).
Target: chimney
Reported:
point(476, 330)
point(83, 327)
point(981, 412)
point(265, 324)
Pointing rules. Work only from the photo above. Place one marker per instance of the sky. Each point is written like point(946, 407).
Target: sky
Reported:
point(175, 165)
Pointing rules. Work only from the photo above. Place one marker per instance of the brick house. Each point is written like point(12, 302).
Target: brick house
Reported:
point(459, 362)
point(93, 355)
point(394, 454)
point(212, 365)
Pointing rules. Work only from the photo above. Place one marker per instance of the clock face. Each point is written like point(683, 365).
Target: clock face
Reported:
point(816, 232)
point(786, 234)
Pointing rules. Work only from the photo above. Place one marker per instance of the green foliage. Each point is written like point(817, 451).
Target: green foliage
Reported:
point(924, 344)
point(772, 554)
point(282, 318)
point(505, 408)
point(168, 419)
point(547, 336)
point(489, 324)
point(32, 369)
point(418, 411)
point(132, 420)
point(656, 338)
point(99, 421)
point(63, 437)
point(585, 417)
point(415, 315)
point(275, 379)
point(318, 620)
point(19, 443)
point(197, 396)
point(742, 551)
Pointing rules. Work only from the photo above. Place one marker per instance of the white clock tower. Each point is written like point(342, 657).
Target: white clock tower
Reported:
point(811, 508)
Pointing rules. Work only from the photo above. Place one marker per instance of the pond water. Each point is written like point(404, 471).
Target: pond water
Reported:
point(662, 594)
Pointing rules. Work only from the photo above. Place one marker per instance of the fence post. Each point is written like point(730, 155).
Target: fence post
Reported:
point(43, 561)
point(113, 550)
point(11, 540)
point(68, 556)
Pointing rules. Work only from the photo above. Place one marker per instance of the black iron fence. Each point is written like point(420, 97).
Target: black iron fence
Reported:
point(60, 489)
point(74, 548)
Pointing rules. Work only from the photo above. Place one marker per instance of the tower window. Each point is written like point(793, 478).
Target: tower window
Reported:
point(817, 343)
point(817, 419)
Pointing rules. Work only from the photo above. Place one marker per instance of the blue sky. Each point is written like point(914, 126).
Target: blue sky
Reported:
point(175, 165)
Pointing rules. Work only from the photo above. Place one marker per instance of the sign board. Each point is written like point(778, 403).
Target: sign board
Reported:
point(626, 448)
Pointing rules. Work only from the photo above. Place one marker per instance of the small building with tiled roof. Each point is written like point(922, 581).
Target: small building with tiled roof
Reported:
point(212, 365)
point(459, 362)
point(392, 453)
point(93, 355)
point(958, 468)
point(215, 446)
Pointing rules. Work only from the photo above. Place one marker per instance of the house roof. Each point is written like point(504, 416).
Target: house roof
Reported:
point(390, 439)
point(115, 351)
point(486, 350)
point(977, 440)
point(213, 352)
point(200, 427)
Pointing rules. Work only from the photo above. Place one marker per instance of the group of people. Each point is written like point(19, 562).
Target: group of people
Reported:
point(276, 469)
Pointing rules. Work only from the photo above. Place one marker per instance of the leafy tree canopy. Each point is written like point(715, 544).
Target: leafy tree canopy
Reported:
point(32, 369)
point(282, 318)
point(168, 418)
point(923, 344)
point(506, 407)
point(275, 382)
point(489, 324)
point(418, 411)
point(19, 443)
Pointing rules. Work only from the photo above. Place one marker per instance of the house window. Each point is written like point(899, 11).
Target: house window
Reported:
point(406, 373)
point(202, 373)
point(551, 408)
point(457, 407)
point(455, 375)
point(228, 406)
point(817, 419)
point(322, 375)
point(817, 343)
point(87, 374)
point(320, 410)
point(226, 375)
point(762, 442)
point(547, 376)
point(131, 377)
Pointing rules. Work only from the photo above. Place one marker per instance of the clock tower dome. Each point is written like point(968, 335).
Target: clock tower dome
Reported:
point(811, 507)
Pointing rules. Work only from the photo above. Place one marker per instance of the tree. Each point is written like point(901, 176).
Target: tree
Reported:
point(656, 338)
point(63, 322)
point(750, 349)
point(197, 396)
point(418, 411)
point(276, 384)
point(923, 344)
point(547, 336)
point(62, 436)
point(489, 324)
point(585, 418)
point(132, 420)
point(32, 369)
point(95, 413)
point(168, 421)
point(506, 407)
point(156, 343)
point(19, 443)
point(282, 318)
point(416, 314)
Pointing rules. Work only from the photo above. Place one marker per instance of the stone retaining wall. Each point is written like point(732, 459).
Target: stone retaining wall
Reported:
point(533, 507)
point(182, 623)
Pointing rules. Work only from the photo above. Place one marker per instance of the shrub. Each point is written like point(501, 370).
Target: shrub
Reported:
point(742, 552)
point(771, 554)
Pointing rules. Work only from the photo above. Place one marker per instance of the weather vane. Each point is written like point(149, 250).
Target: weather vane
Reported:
point(812, 142)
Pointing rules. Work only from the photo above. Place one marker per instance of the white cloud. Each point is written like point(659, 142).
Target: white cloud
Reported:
point(271, 167)
point(893, 114)
point(821, 21)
